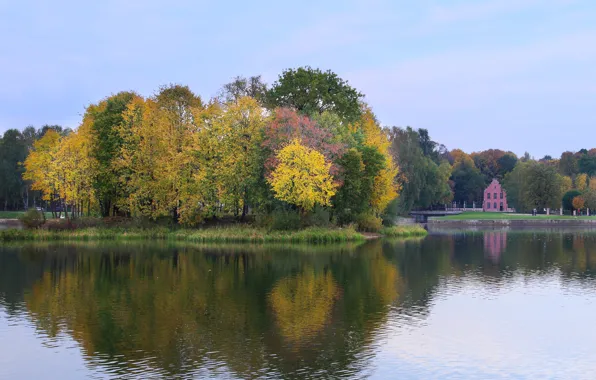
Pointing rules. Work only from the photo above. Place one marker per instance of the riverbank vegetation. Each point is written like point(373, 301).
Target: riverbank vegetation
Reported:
point(308, 144)
point(236, 234)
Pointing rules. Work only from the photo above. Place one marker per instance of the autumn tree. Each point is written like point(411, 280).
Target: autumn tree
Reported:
point(311, 91)
point(581, 182)
point(302, 177)
point(578, 203)
point(238, 135)
point(40, 167)
point(385, 187)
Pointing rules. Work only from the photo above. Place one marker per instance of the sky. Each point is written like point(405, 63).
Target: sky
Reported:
point(516, 75)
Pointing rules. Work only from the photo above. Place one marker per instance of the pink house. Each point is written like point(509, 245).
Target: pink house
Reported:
point(495, 198)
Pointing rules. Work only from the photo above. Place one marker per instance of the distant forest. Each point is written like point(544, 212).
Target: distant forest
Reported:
point(307, 144)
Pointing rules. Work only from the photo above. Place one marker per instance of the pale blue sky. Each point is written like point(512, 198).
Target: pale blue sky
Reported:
point(465, 70)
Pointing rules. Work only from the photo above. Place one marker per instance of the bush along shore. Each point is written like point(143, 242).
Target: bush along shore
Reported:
point(207, 235)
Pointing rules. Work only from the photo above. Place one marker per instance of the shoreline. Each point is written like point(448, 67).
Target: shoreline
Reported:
point(514, 222)
point(312, 235)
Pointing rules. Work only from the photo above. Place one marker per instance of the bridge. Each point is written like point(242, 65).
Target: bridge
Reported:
point(422, 216)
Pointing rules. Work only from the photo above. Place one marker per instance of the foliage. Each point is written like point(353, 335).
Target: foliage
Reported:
point(285, 220)
point(319, 217)
point(578, 203)
point(568, 199)
point(368, 222)
point(302, 177)
point(33, 218)
point(240, 87)
point(468, 181)
point(581, 182)
point(312, 91)
point(534, 185)
point(568, 164)
point(423, 182)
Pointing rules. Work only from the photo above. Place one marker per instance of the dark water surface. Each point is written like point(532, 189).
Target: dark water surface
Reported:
point(476, 305)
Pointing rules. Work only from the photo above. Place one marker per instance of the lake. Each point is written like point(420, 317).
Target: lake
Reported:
point(482, 305)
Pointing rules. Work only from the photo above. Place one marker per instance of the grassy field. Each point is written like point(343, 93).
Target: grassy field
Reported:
point(508, 216)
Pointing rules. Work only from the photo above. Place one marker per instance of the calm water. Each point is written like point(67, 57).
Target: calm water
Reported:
point(477, 305)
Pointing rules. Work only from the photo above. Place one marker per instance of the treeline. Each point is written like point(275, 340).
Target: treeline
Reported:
point(308, 145)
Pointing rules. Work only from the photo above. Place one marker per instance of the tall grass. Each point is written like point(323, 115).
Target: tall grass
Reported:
point(404, 231)
point(208, 235)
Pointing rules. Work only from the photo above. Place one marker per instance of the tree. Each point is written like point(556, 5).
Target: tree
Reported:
point(566, 183)
point(587, 164)
point(240, 87)
point(506, 164)
point(287, 125)
point(302, 177)
point(13, 152)
point(311, 91)
point(578, 203)
point(423, 182)
point(468, 182)
point(581, 182)
point(568, 164)
point(542, 187)
point(40, 166)
point(104, 119)
point(385, 188)
point(568, 199)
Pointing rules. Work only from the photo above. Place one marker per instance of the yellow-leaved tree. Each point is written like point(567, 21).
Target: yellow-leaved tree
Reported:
point(302, 177)
point(581, 182)
point(40, 166)
point(75, 170)
point(237, 134)
point(385, 187)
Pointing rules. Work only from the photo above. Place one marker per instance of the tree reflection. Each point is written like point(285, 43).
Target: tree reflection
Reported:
point(287, 311)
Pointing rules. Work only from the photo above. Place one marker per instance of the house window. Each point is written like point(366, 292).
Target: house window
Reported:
point(488, 195)
point(495, 204)
point(495, 195)
point(501, 205)
point(488, 203)
point(501, 195)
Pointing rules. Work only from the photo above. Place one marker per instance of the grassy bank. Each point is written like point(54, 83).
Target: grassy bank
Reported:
point(207, 235)
point(404, 231)
point(508, 216)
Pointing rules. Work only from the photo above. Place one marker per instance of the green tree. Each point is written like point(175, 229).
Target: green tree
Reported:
point(424, 183)
point(542, 186)
point(568, 164)
point(312, 91)
point(240, 87)
point(105, 118)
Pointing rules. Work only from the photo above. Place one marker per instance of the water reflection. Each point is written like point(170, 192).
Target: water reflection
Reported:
point(274, 311)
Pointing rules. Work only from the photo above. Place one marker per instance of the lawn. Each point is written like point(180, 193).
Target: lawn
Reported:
point(507, 216)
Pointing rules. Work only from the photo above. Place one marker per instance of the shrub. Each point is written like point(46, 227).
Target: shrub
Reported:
point(369, 223)
point(285, 220)
point(33, 218)
point(318, 218)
